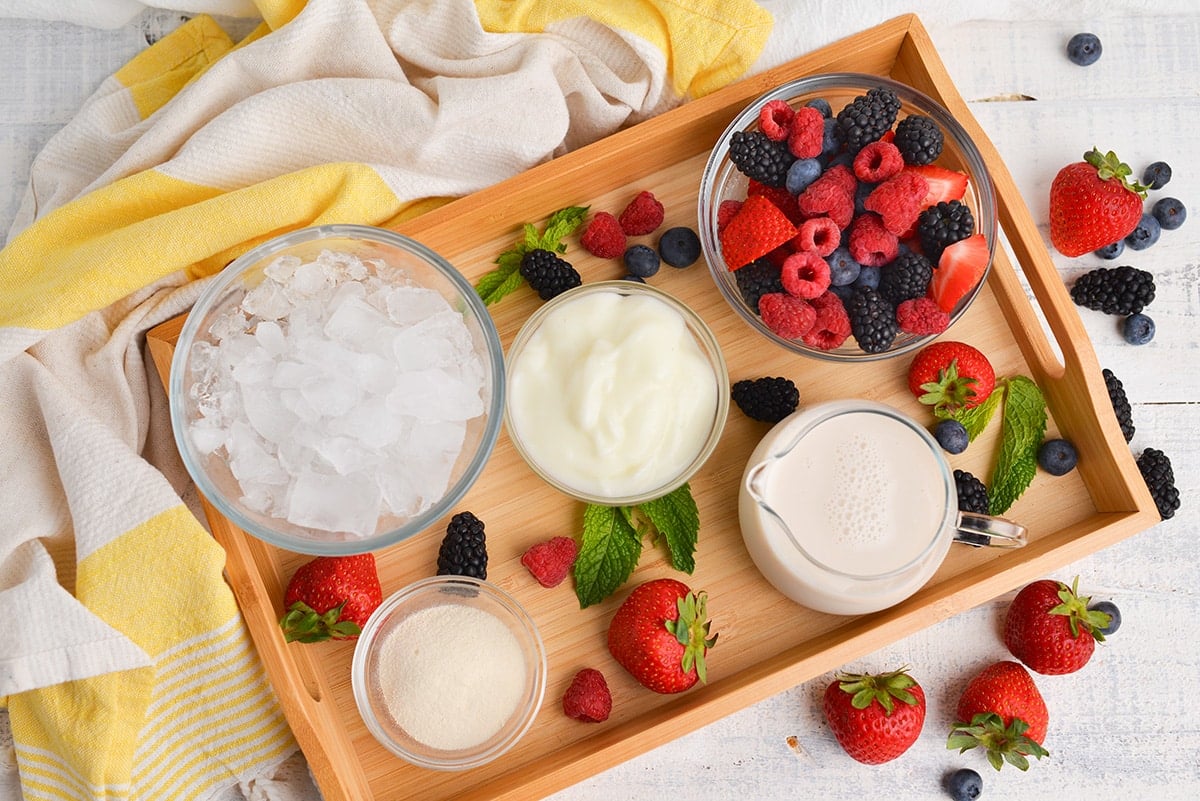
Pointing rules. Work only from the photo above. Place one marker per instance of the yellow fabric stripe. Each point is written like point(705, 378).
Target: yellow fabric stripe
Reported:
point(157, 73)
point(707, 43)
point(97, 249)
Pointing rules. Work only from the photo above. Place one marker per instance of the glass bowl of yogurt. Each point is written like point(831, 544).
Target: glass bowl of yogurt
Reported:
point(449, 672)
point(617, 392)
point(336, 389)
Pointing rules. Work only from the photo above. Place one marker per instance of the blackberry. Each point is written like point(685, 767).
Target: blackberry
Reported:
point(547, 273)
point(756, 279)
point(1120, 290)
point(919, 139)
point(972, 494)
point(944, 224)
point(464, 548)
point(768, 399)
point(1120, 403)
point(867, 117)
point(1160, 478)
point(872, 320)
point(907, 277)
point(760, 158)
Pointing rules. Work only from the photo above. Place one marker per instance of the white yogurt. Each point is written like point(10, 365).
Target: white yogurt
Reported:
point(611, 396)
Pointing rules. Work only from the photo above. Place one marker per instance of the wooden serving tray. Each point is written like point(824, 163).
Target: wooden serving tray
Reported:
point(767, 643)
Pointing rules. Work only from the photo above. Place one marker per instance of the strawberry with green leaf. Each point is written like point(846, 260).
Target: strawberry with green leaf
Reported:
point(875, 717)
point(330, 597)
point(949, 376)
point(660, 634)
point(1002, 711)
point(1050, 628)
point(1093, 204)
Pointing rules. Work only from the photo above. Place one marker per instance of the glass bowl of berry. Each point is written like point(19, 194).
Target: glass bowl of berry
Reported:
point(847, 217)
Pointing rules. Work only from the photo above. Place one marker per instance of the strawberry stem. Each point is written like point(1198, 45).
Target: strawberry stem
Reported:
point(1003, 743)
point(1109, 168)
point(691, 630)
point(886, 688)
point(1079, 617)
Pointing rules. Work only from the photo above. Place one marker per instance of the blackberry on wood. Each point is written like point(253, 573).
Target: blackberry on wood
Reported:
point(548, 274)
point(1120, 403)
point(768, 399)
point(972, 494)
point(464, 548)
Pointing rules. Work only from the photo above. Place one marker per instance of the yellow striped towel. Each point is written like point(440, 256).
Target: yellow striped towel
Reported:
point(125, 666)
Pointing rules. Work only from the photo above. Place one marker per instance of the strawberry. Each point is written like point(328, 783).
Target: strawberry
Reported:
point(758, 228)
point(949, 376)
point(660, 635)
point(959, 270)
point(866, 720)
point(588, 697)
point(1002, 710)
point(1092, 204)
point(1050, 628)
point(331, 597)
point(944, 184)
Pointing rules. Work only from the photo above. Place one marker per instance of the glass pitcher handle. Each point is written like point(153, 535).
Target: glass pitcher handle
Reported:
point(983, 531)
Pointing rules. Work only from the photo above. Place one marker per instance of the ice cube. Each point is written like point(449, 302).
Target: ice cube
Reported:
point(371, 423)
point(407, 305)
point(267, 301)
point(346, 455)
point(270, 337)
point(249, 460)
point(435, 395)
point(335, 503)
point(256, 367)
point(267, 413)
point(282, 268)
point(356, 324)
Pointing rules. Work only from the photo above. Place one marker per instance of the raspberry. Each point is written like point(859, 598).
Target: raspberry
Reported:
point(805, 275)
point(726, 212)
point(775, 119)
point(843, 176)
point(898, 200)
point(818, 235)
point(588, 698)
point(547, 274)
point(552, 560)
point(831, 326)
point(877, 162)
point(464, 548)
point(758, 228)
point(922, 316)
point(788, 316)
point(603, 236)
point(643, 214)
point(808, 133)
point(871, 244)
point(919, 140)
point(831, 195)
point(768, 399)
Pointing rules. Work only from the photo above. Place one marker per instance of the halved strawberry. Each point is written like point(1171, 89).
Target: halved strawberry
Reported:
point(758, 228)
point(960, 268)
point(944, 184)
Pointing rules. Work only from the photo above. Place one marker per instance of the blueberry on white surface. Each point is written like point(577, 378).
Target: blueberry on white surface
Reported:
point(1084, 49)
point(1110, 252)
point(1169, 212)
point(1057, 457)
point(1156, 175)
point(1146, 233)
point(952, 436)
point(964, 784)
point(1114, 616)
point(1138, 329)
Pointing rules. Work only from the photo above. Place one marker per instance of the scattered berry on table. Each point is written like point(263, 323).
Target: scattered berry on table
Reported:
point(843, 269)
point(875, 718)
point(1000, 694)
point(679, 246)
point(959, 270)
point(872, 320)
point(757, 156)
point(637, 279)
point(588, 698)
point(943, 224)
point(921, 316)
point(768, 399)
point(642, 216)
point(801, 174)
point(1120, 290)
point(964, 784)
point(1049, 627)
point(1155, 467)
point(464, 548)
point(972, 494)
point(660, 634)
point(949, 375)
point(877, 162)
point(547, 273)
point(952, 436)
point(1084, 49)
point(330, 597)
point(1120, 403)
point(1169, 212)
point(907, 277)
point(1114, 616)
point(831, 327)
point(786, 315)
point(550, 562)
point(1111, 251)
point(1057, 456)
point(1145, 234)
point(641, 260)
point(1092, 204)
point(1156, 175)
point(868, 117)
point(758, 278)
point(804, 274)
point(603, 236)
point(821, 105)
point(1138, 329)
point(807, 134)
point(919, 139)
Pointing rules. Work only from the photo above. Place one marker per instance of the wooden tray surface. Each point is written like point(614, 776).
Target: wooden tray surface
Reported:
point(767, 643)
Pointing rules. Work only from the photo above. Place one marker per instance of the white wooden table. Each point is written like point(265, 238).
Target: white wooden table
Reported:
point(1125, 725)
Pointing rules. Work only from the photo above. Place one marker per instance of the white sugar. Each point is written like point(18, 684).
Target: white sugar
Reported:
point(337, 392)
point(451, 676)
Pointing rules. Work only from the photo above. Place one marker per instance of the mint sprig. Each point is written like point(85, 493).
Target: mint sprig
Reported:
point(1024, 425)
point(975, 419)
point(506, 277)
point(613, 536)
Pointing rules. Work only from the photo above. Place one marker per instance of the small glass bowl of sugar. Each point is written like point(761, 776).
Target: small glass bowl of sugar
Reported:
point(449, 672)
point(337, 389)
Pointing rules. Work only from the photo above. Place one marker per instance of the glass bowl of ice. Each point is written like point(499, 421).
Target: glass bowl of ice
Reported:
point(337, 389)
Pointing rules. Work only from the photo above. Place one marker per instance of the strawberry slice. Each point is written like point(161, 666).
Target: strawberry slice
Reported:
point(960, 268)
point(944, 184)
point(758, 228)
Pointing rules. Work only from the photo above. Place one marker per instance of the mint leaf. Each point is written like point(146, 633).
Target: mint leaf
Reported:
point(1024, 422)
point(501, 281)
point(608, 553)
point(975, 419)
point(561, 224)
point(677, 519)
point(506, 278)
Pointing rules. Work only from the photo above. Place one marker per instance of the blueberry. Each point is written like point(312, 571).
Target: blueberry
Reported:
point(860, 196)
point(964, 784)
point(802, 173)
point(1112, 251)
point(843, 292)
point(641, 260)
point(821, 105)
point(1157, 175)
point(637, 279)
point(1146, 233)
point(1114, 616)
point(843, 269)
point(1084, 48)
point(679, 246)
point(952, 436)
point(831, 141)
point(1169, 212)
point(868, 276)
point(1057, 457)
point(1138, 329)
